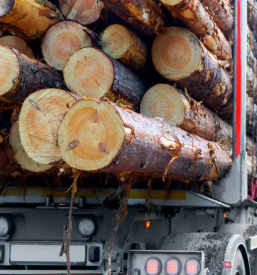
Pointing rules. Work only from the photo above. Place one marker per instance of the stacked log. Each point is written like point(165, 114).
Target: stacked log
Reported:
point(62, 40)
point(193, 14)
point(97, 135)
point(124, 45)
point(21, 76)
point(28, 18)
point(83, 12)
point(91, 73)
point(39, 119)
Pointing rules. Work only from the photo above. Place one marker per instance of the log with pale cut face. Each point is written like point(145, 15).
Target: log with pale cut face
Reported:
point(39, 119)
point(90, 72)
point(124, 45)
point(62, 40)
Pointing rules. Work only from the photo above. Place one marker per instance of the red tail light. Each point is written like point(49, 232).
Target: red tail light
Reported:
point(192, 267)
point(173, 266)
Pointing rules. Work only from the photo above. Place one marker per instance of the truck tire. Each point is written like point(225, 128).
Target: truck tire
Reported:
point(239, 265)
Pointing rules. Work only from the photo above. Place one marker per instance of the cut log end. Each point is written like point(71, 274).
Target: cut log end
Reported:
point(163, 101)
point(122, 44)
point(6, 6)
point(170, 2)
point(115, 40)
point(62, 40)
point(176, 53)
point(17, 43)
point(21, 156)
point(40, 118)
point(89, 72)
point(9, 69)
point(84, 12)
point(90, 135)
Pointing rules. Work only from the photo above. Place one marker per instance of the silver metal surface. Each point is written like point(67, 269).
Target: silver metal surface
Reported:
point(252, 243)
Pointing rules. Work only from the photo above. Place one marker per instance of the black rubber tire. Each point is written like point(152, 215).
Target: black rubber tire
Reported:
point(238, 264)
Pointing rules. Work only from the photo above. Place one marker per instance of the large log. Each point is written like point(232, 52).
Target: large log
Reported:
point(221, 13)
point(62, 40)
point(21, 156)
point(123, 45)
point(21, 76)
point(31, 18)
point(252, 16)
point(144, 15)
point(39, 120)
point(82, 11)
point(198, 20)
point(179, 56)
point(177, 109)
point(97, 135)
point(91, 73)
point(17, 43)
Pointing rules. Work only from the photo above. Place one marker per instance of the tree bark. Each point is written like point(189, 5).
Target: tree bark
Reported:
point(32, 18)
point(81, 11)
point(17, 43)
point(39, 119)
point(62, 40)
point(178, 109)
point(179, 56)
point(198, 20)
point(252, 16)
point(127, 142)
point(143, 15)
point(21, 76)
point(123, 45)
point(91, 73)
point(221, 13)
point(21, 156)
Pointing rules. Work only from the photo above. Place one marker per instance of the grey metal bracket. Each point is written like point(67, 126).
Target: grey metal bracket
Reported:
point(233, 188)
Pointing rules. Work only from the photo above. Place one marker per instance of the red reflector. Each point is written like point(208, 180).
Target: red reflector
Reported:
point(147, 224)
point(192, 267)
point(227, 264)
point(153, 266)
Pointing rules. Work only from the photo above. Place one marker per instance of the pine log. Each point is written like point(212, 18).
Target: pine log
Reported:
point(143, 15)
point(179, 56)
point(39, 120)
point(177, 109)
point(62, 40)
point(221, 13)
point(81, 11)
point(251, 84)
point(91, 73)
point(32, 17)
point(21, 156)
point(17, 43)
point(251, 60)
point(97, 135)
point(198, 20)
point(21, 76)
point(123, 45)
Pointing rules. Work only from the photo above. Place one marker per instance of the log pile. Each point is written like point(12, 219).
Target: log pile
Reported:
point(94, 97)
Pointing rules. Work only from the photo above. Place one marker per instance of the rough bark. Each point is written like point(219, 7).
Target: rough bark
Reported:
point(221, 13)
point(251, 83)
point(144, 15)
point(17, 43)
point(81, 11)
point(205, 80)
point(177, 108)
point(142, 146)
point(22, 76)
point(193, 14)
point(32, 18)
point(252, 16)
point(91, 73)
point(124, 45)
point(62, 40)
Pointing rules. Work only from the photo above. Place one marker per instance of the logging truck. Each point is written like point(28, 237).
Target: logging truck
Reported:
point(103, 173)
